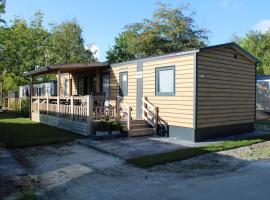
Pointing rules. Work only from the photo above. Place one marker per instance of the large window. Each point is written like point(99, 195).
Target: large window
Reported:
point(123, 84)
point(165, 81)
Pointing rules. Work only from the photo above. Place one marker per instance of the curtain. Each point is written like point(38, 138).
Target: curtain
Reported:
point(166, 81)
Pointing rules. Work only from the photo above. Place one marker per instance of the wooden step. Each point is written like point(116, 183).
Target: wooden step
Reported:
point(136, 126)
point(138, 121)
point(141, 132)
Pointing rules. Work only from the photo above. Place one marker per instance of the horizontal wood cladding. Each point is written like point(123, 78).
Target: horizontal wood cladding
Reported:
point(175, 110)
point(225, 88)
point(130, 99)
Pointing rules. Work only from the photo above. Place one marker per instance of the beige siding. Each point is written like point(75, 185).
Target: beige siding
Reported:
point(176, 110)
point(114, 84)
point(62, 83)
point(226, 88)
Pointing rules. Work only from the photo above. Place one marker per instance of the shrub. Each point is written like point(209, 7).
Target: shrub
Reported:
point(103, 126)
point(116, 125)
point(25, 107)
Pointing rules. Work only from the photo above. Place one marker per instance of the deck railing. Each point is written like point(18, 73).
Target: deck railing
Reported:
point(150, 114)
point(124, 112)
point(83, 109)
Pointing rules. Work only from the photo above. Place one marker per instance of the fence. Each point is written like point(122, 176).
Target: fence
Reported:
point(11, 103)
point(72, 113)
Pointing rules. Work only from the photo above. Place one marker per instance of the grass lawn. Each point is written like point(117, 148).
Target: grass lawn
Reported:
point(16, 132)
point(181, 154)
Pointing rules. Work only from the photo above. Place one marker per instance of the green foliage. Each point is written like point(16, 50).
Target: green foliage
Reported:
point(25, 107)
point(26, 45)
point(66, 44)
point(108, 125)
point(258, 44)
point(116, 125)
point(169, 30)
point(2, 10)
point(17, 132)
point(103, 126)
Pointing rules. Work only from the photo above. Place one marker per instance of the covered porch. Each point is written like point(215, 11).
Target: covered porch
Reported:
point(83, 98)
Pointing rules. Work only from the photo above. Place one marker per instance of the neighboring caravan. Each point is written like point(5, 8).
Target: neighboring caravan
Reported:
point(194, 95)
point(40, 89)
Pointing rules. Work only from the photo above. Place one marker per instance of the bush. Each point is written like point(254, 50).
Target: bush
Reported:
point(25, 107)
point(103, 126)
point(116, 125)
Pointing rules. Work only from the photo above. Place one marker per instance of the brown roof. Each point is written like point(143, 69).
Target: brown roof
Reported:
point(65, 68)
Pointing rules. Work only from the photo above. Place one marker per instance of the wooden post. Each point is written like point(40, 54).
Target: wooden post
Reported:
point(156, 120)
point(38, 104)
point(47, 105)
point(89, 104)
point(58, 83)
point(71, 107)
point(118, 108)
point(145, 105)
point(129, 120)
point(30, 96)
point(70, 82)
point(58, 108)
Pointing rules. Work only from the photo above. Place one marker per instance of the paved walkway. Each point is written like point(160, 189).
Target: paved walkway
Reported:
point(133, 147)
point(127, 148)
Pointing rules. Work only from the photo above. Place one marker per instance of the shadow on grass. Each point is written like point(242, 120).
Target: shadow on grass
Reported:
point(21, 132)
point(182, 154)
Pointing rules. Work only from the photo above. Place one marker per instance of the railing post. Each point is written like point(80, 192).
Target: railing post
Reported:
point(129, 119)
point(145, 106)
point(156, 120)
point(89, 104)
point(118, 108)
point(47, 105)
point(71, 106)
point(38, 105)
point(58, 109)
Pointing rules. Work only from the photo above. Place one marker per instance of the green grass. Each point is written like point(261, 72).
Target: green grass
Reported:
point(16, 132)
point(182, 154)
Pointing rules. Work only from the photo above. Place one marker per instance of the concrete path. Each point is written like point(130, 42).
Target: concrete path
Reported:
point(135, 147)
point(73, 171)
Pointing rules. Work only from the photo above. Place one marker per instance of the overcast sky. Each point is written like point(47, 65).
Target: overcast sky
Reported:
point(102, 20)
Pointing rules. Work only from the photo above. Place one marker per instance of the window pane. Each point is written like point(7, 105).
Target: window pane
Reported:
point(123, 83)
point(166, 81)
point(66, 93)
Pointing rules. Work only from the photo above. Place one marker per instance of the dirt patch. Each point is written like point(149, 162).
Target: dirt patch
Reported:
point(16, 185)
point(260, 151)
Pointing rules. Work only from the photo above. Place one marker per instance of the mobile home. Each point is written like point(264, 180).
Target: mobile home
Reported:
point(194, 95)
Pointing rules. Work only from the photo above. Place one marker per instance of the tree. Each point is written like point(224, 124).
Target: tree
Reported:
point(67, 45)
point(258, 44)
point(169, 30)
point(2, 10)
point(26, 45)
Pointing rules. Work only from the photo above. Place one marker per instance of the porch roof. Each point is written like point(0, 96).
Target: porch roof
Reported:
point(67, 68)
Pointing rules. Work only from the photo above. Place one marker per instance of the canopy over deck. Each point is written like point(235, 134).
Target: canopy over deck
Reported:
point(67, 68)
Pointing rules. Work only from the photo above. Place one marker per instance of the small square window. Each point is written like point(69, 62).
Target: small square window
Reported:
point(123, 84)
point(165, 81)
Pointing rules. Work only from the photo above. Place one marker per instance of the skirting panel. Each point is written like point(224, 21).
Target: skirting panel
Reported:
point(203, 134)
point(79, 127)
